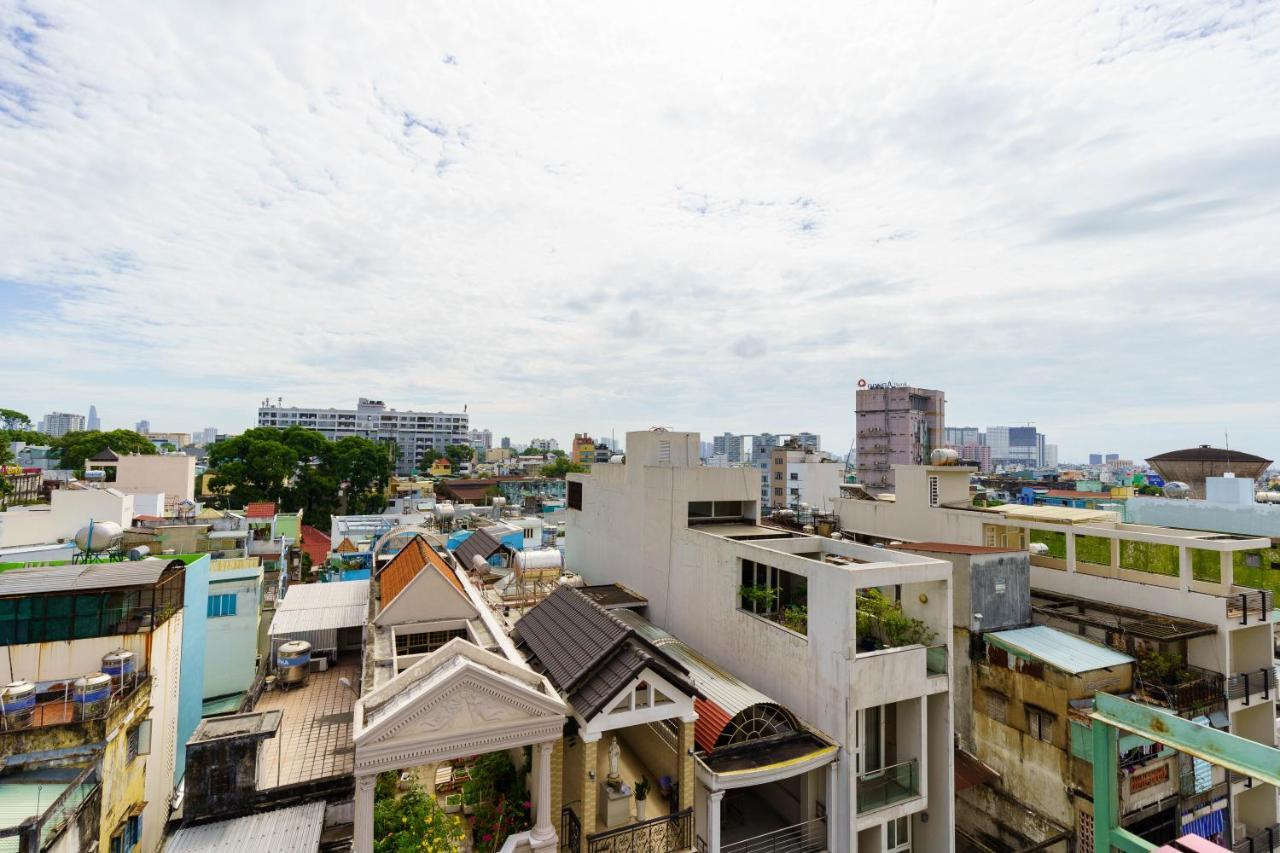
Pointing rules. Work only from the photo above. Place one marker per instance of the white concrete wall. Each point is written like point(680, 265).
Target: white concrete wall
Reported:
point(171, 473)
point(68, 511)
point(231, 642)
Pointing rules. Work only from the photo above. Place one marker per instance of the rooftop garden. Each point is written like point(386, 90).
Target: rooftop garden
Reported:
point(882, 624)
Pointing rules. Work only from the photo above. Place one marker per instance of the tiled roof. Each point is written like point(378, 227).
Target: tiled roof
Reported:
point(346, 546)
point(405, 566)
point(315, 544)
point(588, 654)
point(105, 455)
point(480, 544)
point(261, 509)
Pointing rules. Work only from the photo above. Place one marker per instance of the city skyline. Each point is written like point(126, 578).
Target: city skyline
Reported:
point(947, 196)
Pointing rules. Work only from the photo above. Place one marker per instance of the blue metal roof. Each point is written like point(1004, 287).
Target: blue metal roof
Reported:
point(1060, 650)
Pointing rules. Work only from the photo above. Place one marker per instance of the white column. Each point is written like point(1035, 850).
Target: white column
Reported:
point(542, 829)
point(713, 819)
point(833, 797)
point(363, 840)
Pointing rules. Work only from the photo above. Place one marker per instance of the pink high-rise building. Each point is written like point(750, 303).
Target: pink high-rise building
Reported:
point(897, 425)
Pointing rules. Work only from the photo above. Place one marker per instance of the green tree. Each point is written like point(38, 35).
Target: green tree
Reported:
point(414, 822)
point(365, 467)
point(26, 436)
point(6, 459)
point(254, 466)
point(75, 447)
point(459, 453)
point(14, 419)
point(561, 466)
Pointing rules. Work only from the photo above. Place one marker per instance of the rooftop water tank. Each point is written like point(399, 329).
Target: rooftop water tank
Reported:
point(139, 552)
point(92, 694)
point(1177, 490)
point(120, 666)
point(17, 705)
point(292, 661)
point(542, 558)
point(944, 456)
point(99, 536)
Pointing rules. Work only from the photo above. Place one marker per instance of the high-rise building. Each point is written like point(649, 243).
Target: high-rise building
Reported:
point(506, 442)
point(543, 445)
point(480, 439)
point(416, 434)
point(730, 446)
point(979, 453)
point(1112, 458)
point(584, 449)
point(95, 423)
point(897, 425)
point(960, 436)
point(60, 423)
point(809, 440)
point(143, 426)
point(1050, 456)
point(1095, 458)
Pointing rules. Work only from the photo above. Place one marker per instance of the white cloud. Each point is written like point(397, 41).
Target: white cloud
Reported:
point(716, 217)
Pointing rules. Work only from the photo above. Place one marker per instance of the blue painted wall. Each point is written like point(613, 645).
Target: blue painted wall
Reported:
point(191, 678)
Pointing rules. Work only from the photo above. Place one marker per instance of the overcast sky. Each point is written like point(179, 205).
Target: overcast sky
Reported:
point(702, 216)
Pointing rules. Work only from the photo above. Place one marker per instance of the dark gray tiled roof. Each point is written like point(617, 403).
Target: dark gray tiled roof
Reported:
point(481, 544)
point(589, 654)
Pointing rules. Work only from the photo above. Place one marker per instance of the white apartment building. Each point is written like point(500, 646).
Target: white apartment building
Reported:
point(1091, 557)
point(543, 445)
point(61, 423)
point(802, 476)
point(782, 609)
point(415, 433)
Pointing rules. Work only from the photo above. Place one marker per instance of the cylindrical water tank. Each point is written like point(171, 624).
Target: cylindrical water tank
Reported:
point(444, 511)
point(99, 536)
point(292, 660)
point(1268, 497)
point(542, 558)
point(120, 667)
point(17, 705)
point(944, 456)
point(91, 694)
point(1176, 489)
point(499, 501)
point(139, 552)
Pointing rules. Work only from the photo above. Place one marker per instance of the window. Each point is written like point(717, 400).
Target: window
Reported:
point(1040, 723)
point(777, 491)
point(775, 594)
point(426, 641)
point(222, 605)
point(934, 498)
point(128, 836)
point(575, 495)
point(777, 475)
point(795, 475)
point(997, 706)
point(707, 510)
point(664, 452)
point(898, 835)
point(138, 740)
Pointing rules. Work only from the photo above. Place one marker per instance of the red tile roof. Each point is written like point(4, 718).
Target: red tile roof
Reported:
point(712, 720)
point(315, 544)
point(263, 509)
point(405, 566)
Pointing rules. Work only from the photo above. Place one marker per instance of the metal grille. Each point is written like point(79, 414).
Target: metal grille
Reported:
point(660, 835)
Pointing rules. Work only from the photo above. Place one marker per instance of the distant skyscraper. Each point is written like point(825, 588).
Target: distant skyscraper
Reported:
point(1113, 457)
point(897, 425)
point(506, 442)
point(143, 426)
point(1095, 458)
point(960, 436)
point(56, 424)
point(94, 423)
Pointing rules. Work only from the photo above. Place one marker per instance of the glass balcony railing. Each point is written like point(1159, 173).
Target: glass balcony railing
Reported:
point(880, 788)
point(935, 660)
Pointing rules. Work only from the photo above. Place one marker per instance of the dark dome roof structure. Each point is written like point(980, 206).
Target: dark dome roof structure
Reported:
point(1194, 464)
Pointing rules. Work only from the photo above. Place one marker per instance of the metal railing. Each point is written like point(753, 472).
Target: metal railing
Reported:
point(807, 837)
point(663, 834)
point(1259, 682)
point(884, 787)
point(1255, 603)
point(570, 831)
point(60, 708)
point(935, 660)
point(67, 806)
point(1262, 841)
point(1202, 689)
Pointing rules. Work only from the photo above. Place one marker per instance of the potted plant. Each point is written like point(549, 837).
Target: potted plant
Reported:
point(796, 617)
point(642, 793)
point(470, 798)
point(453, 803)
point(761, 598)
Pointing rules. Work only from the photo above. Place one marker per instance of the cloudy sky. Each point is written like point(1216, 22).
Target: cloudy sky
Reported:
point(704, 216)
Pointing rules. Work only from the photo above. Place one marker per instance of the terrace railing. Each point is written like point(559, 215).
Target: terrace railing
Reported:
point(1263, 841)
point(664, 834)
point(1201, 688)
point(880, 788)
point(807, 837)
point(1259, 684)
point(1254, 605)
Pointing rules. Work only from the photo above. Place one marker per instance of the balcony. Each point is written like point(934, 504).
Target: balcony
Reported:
point(1250, 606)
point(878, 789)
point(807, 837)
point(1262, 841)
point(1193, 690)
point(663, 834)
point(1260, 683)
point(57, 706)
point(935, 660)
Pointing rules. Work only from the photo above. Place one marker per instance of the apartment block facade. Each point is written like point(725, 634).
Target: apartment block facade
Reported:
point(416, 434)
point(896, 425)
point(782, 608)
point(60, 423)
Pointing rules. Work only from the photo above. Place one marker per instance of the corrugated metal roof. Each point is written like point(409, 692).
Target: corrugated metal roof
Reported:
point(21, 800)
point(292, 830)
point(33, 580)
point(321, 607)
point(1060, 650)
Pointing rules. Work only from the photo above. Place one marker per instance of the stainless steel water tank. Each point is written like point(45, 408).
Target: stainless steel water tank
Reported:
point(121, 667)
point(91, 695)
point(292, 662)
point(17, 705)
